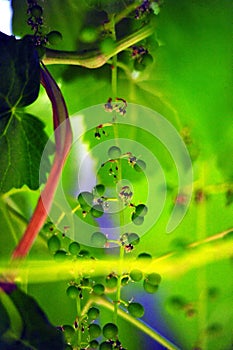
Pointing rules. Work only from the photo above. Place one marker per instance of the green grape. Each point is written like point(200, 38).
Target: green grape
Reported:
point(136, 309)
point(60, 255)
point(68, 332)
point(72, 292)
point(94, 330)
point(98, 239)
point(141, 210)
point(153, 278)
point(137, 220)
point(140, 165)
point(114, 152)
point(98, 289)
point(144, 257)
point(147, 60)
point(111, 281)
point(36, 11)
point(99, 190)
point(93, 313)
point(125, 280)
point(85, 282)
point(88, 35)
point(54, 37)
point(84, 253)
point(110, 330)
point(107, 46)
point(105, 346)
point(74, 248)
point(136, 275)
point(133, 238)
point(85, 200)
point(97, 211)
point(54, 244)
point(150, 288)
point(93, 344)
point(139, 65)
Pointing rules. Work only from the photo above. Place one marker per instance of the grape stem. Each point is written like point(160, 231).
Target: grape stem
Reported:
point(63, 139)
point(94, 58)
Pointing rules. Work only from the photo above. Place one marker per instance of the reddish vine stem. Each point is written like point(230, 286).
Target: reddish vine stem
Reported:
point(63, 140)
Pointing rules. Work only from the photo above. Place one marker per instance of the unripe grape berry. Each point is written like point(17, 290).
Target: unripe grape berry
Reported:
point(136, 309)
point(68, 332)
point(97, 211)
point(94, 344)
point(140, 165)
point(88, 35)
point(124, 280)
point(54, 37)
point(98, 190)
point(107, 46)
point(98, 289)
point(150, 288)
point(74, 248)
point(136, 275)
point(153, 278)
point(94, 330)
point(110, 330)
point(105, 346)
point(85, 200)
point(114, 152)
point(93, 313)
point(133, 238)
point(54, 244)
point(72, 292)
point(138, 65)
point(98, 239)
point(111, 282)
point(137, 220)
point(36, 11)
point(141, 210)
point(144, 257)
point(60, 255)
point(147, 60)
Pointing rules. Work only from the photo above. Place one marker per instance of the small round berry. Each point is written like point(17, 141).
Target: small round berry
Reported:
point(94, 344)
point(125, 280)
point(114, 152)
point(94, 330)
point(106, 346)
point(97, 211)
point(136, 275)
point(133, 238)
point(93, 313)
point(137, 220)
point(98, 239)
point(74, 248)
point(99, 190)
point(150, 288)
point(36, 11)
point(141, 210)
point(72, 292)
point(60, 255)
point(111, 282)
point(54, 37)
point(54, 244)
point(136, 310)
point(110, 330)
point(147, 60)
point(107, 46)
point(153, 278)
point(140, 165)
point(88, 35)
point(98, 289)
point(85, 200)
point(68, 332)
point(144, 257)
point(139, 65)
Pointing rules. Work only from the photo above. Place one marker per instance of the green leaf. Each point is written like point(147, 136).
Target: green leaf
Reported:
point(4, 319)
point(22, 138)
point(37, 331)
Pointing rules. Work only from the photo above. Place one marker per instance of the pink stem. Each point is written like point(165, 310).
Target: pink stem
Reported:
point(63, 139)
